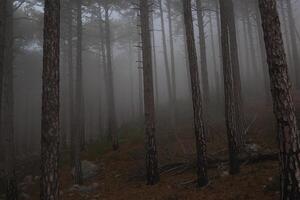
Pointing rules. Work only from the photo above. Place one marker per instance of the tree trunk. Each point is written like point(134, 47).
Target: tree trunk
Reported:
point(230, 108)
point(214, 57)
point(168, 74)
point(79, 83)
point(50, 103)
point(112, 125)
point(203, 58)
point(173, 68)
point(8, 107)
point(2, 46)
point(199, 124)
point(234, 57)
point(151, 150)
point(77, 174)
point(154, 61)
point(283, 105)
point(71, 78)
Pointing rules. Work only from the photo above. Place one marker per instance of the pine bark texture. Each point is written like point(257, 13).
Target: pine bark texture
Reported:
point(229, 89)
point(283, 105)
point(149, 107)
point(199, 124)
point(50, 103)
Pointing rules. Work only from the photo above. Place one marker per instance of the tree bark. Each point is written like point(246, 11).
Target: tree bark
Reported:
point(50, 103)
point(151, 150)
point(199, 125)
point(229, 89)
point(283, 105)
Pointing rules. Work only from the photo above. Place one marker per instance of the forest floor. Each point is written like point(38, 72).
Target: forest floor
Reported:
point(121, 173)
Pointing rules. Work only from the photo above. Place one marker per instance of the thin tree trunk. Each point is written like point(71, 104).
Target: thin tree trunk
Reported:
point(199, 124)
point(112, 125)
point(173, 67)
point(77, 173)
point(284, 108)
point(234, 57)
point(216, 72)
point(8, 107)
point(154, 61)
point(50, 103)
point(203, 58)
point(230, 108)
point(2, 46)
point(151, 150)
point(71, 77)
point(168, 73)
point(79, 83)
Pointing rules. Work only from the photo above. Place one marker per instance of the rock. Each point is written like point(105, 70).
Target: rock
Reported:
point(224, 173)
point(252, 147)
point(84, 189)
point(89, 169)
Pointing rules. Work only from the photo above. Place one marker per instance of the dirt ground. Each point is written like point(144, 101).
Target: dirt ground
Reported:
point(121, 175)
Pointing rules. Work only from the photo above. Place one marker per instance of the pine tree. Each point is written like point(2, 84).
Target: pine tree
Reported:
point(50, 102)
point(199, 124)
point(149, 107)
point(283, 105)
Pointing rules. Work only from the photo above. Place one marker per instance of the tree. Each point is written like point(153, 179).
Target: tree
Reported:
point(7, 118)
point(229, 87)
point(199, 125)
point(78, 101)
point(283, 105)
point(149, 107)
point(166, 60)
point(112, 124)
point(203, 59)
point(50, 102)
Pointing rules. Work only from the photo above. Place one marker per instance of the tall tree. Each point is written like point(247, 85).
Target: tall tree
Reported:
point(8, 105)
point(112, 124)
point(172, 56)
point(283, 105)
point(151, 150)
point(79, 83)
point(234, 59)
point(78, 104)
point(2, 45)
point(203, 58)
point(199, 125)
point(229, 87)
point(166, 60)
point(50, 102)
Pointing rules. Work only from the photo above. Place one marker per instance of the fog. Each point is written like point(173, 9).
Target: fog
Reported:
point(127, 68)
